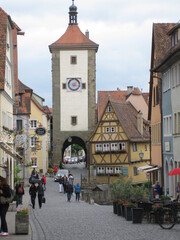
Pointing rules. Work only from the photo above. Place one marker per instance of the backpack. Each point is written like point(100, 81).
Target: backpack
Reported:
point(10, 199)
point(20, 190)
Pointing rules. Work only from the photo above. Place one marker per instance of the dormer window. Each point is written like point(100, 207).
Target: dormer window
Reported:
point(174, 38)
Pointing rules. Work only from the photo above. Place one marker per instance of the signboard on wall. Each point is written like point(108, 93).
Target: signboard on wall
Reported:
point(40, 131)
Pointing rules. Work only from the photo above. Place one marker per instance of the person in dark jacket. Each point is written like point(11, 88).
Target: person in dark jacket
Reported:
point(65, 182)
point(69, 190)
point(5, 192)
point(32, 192)
point(19, 194)
point(40, 191)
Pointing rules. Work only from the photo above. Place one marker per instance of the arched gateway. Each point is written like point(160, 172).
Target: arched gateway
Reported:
point(74, 87)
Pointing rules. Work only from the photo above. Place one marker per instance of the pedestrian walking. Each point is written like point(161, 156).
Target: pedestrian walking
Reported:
point(65, 182)
point(32, 192)
point(55, 170)
point(19, 194)
point(34, 173)
point(77, 191)
point(43, 180)
point(71, 178)
point(4, 192)
point(69, 191)
point(40, 191)
point(61, 184)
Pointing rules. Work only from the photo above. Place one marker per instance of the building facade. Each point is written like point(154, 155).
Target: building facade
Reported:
point(9, 31)
point(120, 144)
point(38, 135)
point(160, 46)
point(169, 67)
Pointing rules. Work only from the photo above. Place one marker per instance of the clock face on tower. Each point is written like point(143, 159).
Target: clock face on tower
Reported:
point(73, 84)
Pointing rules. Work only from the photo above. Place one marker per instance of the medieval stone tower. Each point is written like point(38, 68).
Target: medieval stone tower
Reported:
point(74, 88)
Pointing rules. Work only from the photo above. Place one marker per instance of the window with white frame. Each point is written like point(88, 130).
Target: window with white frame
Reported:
point(178, 78)
point(166, 81)
point(34, 161)
point(177, 123)
point(117, 170)
point(33, 124)
point(106, 147)
point(135, 148)
point(98, 147)
point(114, 147)
point(109, 170)
point(122, 146)
point(112, 129)
point(145, 147)
point(136, 171)
point(9, 122)
point(3, 118)
point(173, 77)
point(33, 142)
point(167, 125)
point(109, 109)
point(107, 129)
point(100, 170)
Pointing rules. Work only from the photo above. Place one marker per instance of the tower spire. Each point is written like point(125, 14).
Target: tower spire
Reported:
point(73, 14)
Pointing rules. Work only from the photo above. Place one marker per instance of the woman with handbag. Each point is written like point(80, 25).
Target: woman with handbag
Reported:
point(40, 191)
point(4, 193)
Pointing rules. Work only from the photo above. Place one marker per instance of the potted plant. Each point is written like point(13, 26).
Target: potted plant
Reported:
point(156, 208)
point(119, 204)
point(128, 210)
point(22, 221)
point(139, 193)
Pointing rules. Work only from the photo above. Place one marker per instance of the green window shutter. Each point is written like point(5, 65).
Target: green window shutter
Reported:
point(125, 171)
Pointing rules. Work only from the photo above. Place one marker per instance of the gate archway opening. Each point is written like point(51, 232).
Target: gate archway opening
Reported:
point(78, 148)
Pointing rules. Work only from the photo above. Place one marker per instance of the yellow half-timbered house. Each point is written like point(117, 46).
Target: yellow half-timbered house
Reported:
point(120, 144)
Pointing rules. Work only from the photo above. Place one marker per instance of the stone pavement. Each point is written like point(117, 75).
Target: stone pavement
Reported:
point(10, 217)
point(61, 220)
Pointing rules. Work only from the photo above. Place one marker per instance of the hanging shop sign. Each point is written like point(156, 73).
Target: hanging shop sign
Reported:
point(40, 131)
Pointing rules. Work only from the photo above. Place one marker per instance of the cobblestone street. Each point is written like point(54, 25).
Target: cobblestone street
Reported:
point(60, 219)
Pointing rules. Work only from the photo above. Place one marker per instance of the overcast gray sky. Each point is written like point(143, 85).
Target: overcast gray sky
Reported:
point(122, 28)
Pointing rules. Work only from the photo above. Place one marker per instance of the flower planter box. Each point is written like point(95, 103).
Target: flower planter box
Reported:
point(122, 210)
point(21, 224)
point(137, 215)
point(119, 210)
point(128, 213)
point(115, 207)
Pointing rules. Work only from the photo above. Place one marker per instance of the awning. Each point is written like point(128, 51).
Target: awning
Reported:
point(152, 169)
point(9, 150)
point(145, 167)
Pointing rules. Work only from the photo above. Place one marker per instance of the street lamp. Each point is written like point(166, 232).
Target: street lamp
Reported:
point(141, 155)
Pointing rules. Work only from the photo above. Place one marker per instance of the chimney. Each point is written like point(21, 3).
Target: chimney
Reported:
point(130, 89)
point(140, 122)
point(87, 33)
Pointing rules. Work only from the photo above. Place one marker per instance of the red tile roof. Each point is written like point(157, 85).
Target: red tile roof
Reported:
point(25, 93)
point(103, 97)
point(73, 38)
